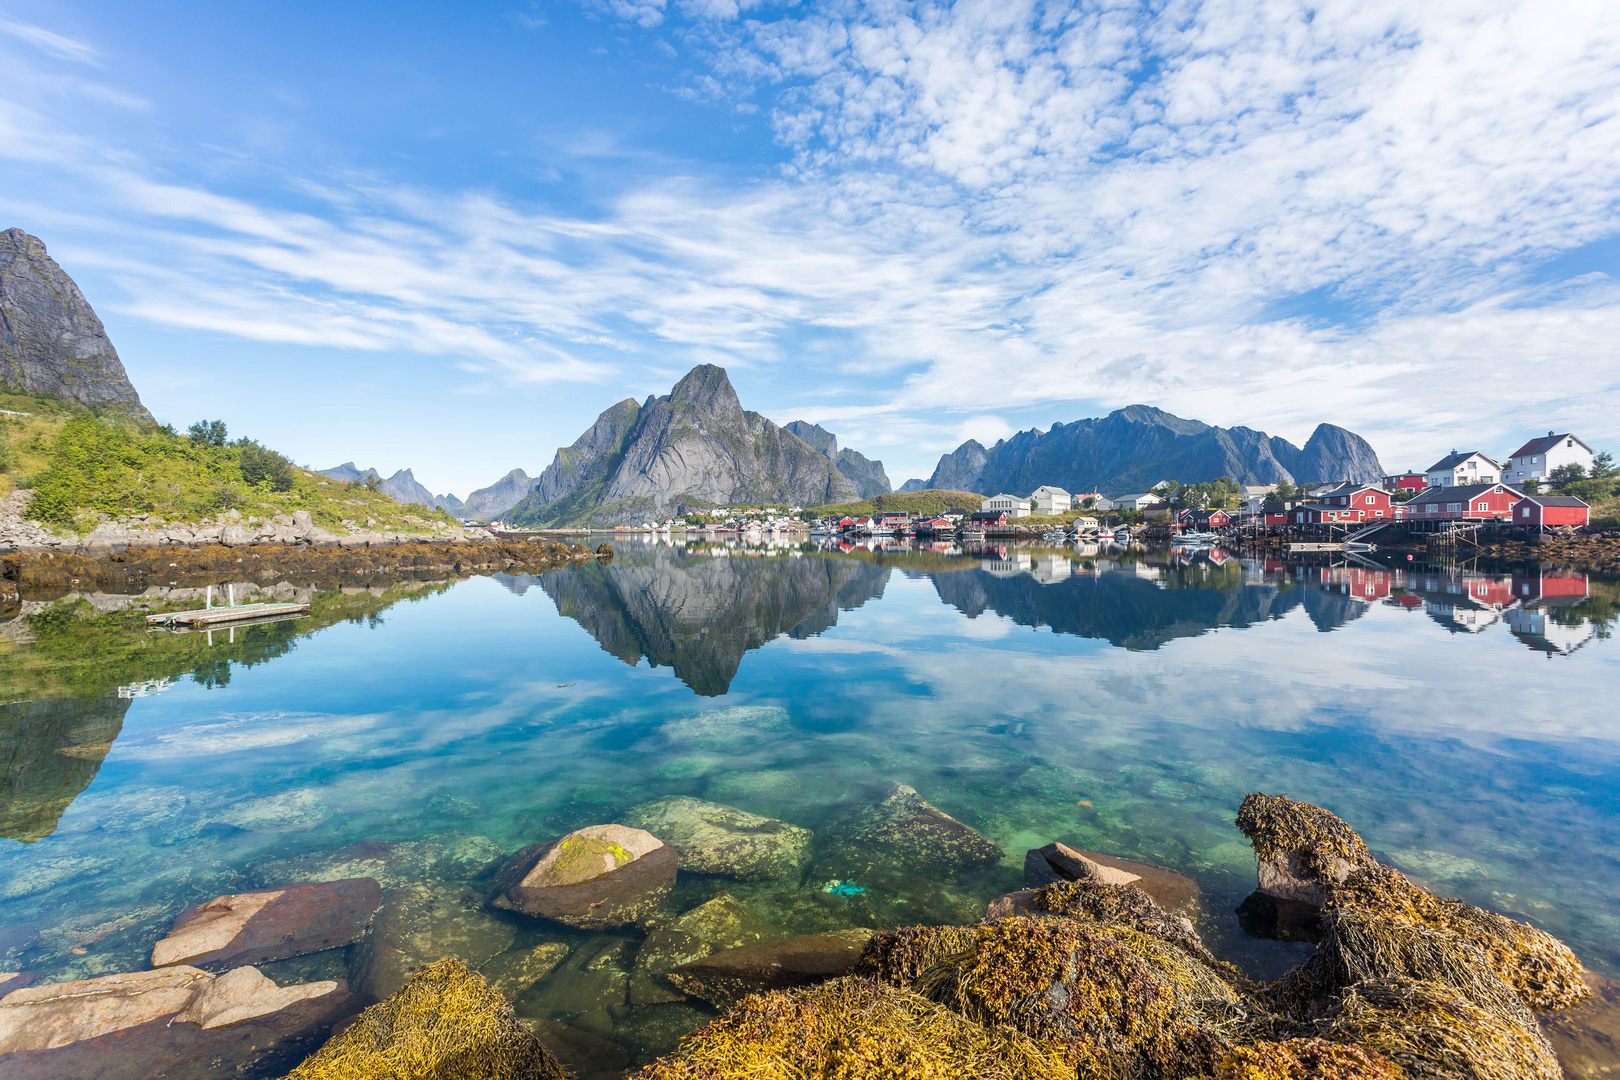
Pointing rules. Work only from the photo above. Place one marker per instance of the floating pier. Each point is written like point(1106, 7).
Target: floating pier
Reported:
point(219, 616)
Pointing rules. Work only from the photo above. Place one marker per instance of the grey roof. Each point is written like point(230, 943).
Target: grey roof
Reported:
point(1451, 461)
point(1460, 493)
point(1557, 500)
point(1545, 443)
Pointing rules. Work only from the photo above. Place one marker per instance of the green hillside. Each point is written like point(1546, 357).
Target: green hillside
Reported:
point(80, 465)
point(912, 502)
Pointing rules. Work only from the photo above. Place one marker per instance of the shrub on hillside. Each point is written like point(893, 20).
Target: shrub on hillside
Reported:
point(261, 465)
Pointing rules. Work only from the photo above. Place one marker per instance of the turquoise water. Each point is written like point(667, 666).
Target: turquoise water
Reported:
point(1463, 721)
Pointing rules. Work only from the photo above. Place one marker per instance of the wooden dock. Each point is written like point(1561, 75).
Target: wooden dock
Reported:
point(220, 616)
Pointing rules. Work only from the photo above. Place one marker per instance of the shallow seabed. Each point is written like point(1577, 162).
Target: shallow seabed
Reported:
point(1121, 704)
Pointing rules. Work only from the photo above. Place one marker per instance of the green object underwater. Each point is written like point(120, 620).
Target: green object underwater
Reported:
point(842, 888)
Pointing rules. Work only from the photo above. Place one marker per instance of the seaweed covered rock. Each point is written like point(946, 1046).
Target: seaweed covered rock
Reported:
point(1303, 850)
point(1543, 971)
point(908, 829)
point(1126, 905)
point(728, 976)
point(1117, 1001)
point(597, 877)
point(1305, 1059)
point(855, 1029)
point(447, 1023)
point(716, 839)
point(1432, 1030)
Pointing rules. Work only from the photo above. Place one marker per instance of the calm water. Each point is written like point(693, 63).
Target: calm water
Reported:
point(1464, 722)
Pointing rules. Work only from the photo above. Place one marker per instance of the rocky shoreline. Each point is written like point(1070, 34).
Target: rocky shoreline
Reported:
point(49, 573)
point(1095, 971)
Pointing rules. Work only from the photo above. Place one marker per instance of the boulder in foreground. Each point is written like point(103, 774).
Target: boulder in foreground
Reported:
point(270, 924)
point(1058, 862)
point(594, 878)
point(176, 1023)
point(716, 839)
point(447, 1023)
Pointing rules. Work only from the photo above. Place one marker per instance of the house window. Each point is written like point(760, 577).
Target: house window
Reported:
point(1484, 506)
point(1433, 508)
point(1370, 500)
point(1525, 512)
point(1453, 508)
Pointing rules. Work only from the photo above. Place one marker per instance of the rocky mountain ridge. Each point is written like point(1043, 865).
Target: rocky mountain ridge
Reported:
point(866, 475)
point(51, 341)
point(1133, 448)
point(693, 448)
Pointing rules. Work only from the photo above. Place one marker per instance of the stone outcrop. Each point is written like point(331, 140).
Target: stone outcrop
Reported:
point(695, 446)
point(270, 924)
point(489, 503)
point(715, 839)
point(865, 475)
point(1058, 862)
point(51, 342)
point(1133, 448)
point(725, 977)
point(909, 830)
point(596, 877)
point(175, 1023)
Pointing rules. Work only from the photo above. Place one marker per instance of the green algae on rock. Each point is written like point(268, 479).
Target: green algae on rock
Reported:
point(447, 1023)
point(907, 828)
point(716, 839)
point(598, 877)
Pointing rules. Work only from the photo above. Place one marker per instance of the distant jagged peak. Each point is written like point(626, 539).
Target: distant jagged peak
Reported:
point(707, 388)
point(815, 436)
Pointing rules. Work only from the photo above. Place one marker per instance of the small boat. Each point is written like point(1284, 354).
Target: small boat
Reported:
point(1105, 534)
point(1194, 538)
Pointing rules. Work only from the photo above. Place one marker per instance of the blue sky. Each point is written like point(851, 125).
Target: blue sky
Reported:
point(446, 236)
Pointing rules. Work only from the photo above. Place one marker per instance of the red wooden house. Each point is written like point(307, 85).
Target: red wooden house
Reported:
point(1539, 510)
point(1406, 481)
point(1204, 519)
point(1472, 502)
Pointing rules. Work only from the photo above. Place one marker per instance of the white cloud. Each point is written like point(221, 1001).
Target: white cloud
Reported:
point(997, 205)
point(63, 48)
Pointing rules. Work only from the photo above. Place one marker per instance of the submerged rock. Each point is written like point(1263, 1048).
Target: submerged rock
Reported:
point(727, 976)
point(392, 863)
point(418, 925)
point(716, 839)
point(907, 828)
point(592, 985)
point(270, 924)
point(447, 1023)
point(514, 972)
point(714, 926)
point(596, 877)
point(177, 1023)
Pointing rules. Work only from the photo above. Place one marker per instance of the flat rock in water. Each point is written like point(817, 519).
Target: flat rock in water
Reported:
point(1058, 862)
point(597, 877)
point(908, 829)
point(593, 982)
point(714, 926)
point(270, 924)
point(419, 925)
point(514, 972)
point(586, 1056)
point(176, 1023)
point(716, 839)
point(726, 977)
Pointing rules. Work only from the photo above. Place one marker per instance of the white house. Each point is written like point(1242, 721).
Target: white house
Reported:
point(1537, 459)
point(1011, 505)
point(1085, 521)
point(1139, 501)
point(1463, 470)
point(1051, 500)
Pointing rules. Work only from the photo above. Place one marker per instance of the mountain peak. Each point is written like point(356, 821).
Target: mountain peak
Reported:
point(51, 341)
point(706, 387)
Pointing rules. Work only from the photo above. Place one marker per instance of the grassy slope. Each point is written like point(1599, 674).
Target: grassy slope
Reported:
point(116, 468)
point(914, 502)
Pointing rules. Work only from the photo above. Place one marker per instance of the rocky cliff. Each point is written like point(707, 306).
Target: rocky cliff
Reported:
point(402, 487)
point(1133, 448)
point(489, 503)
point(51, 341)
point(696, 447)
point(865, 475)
